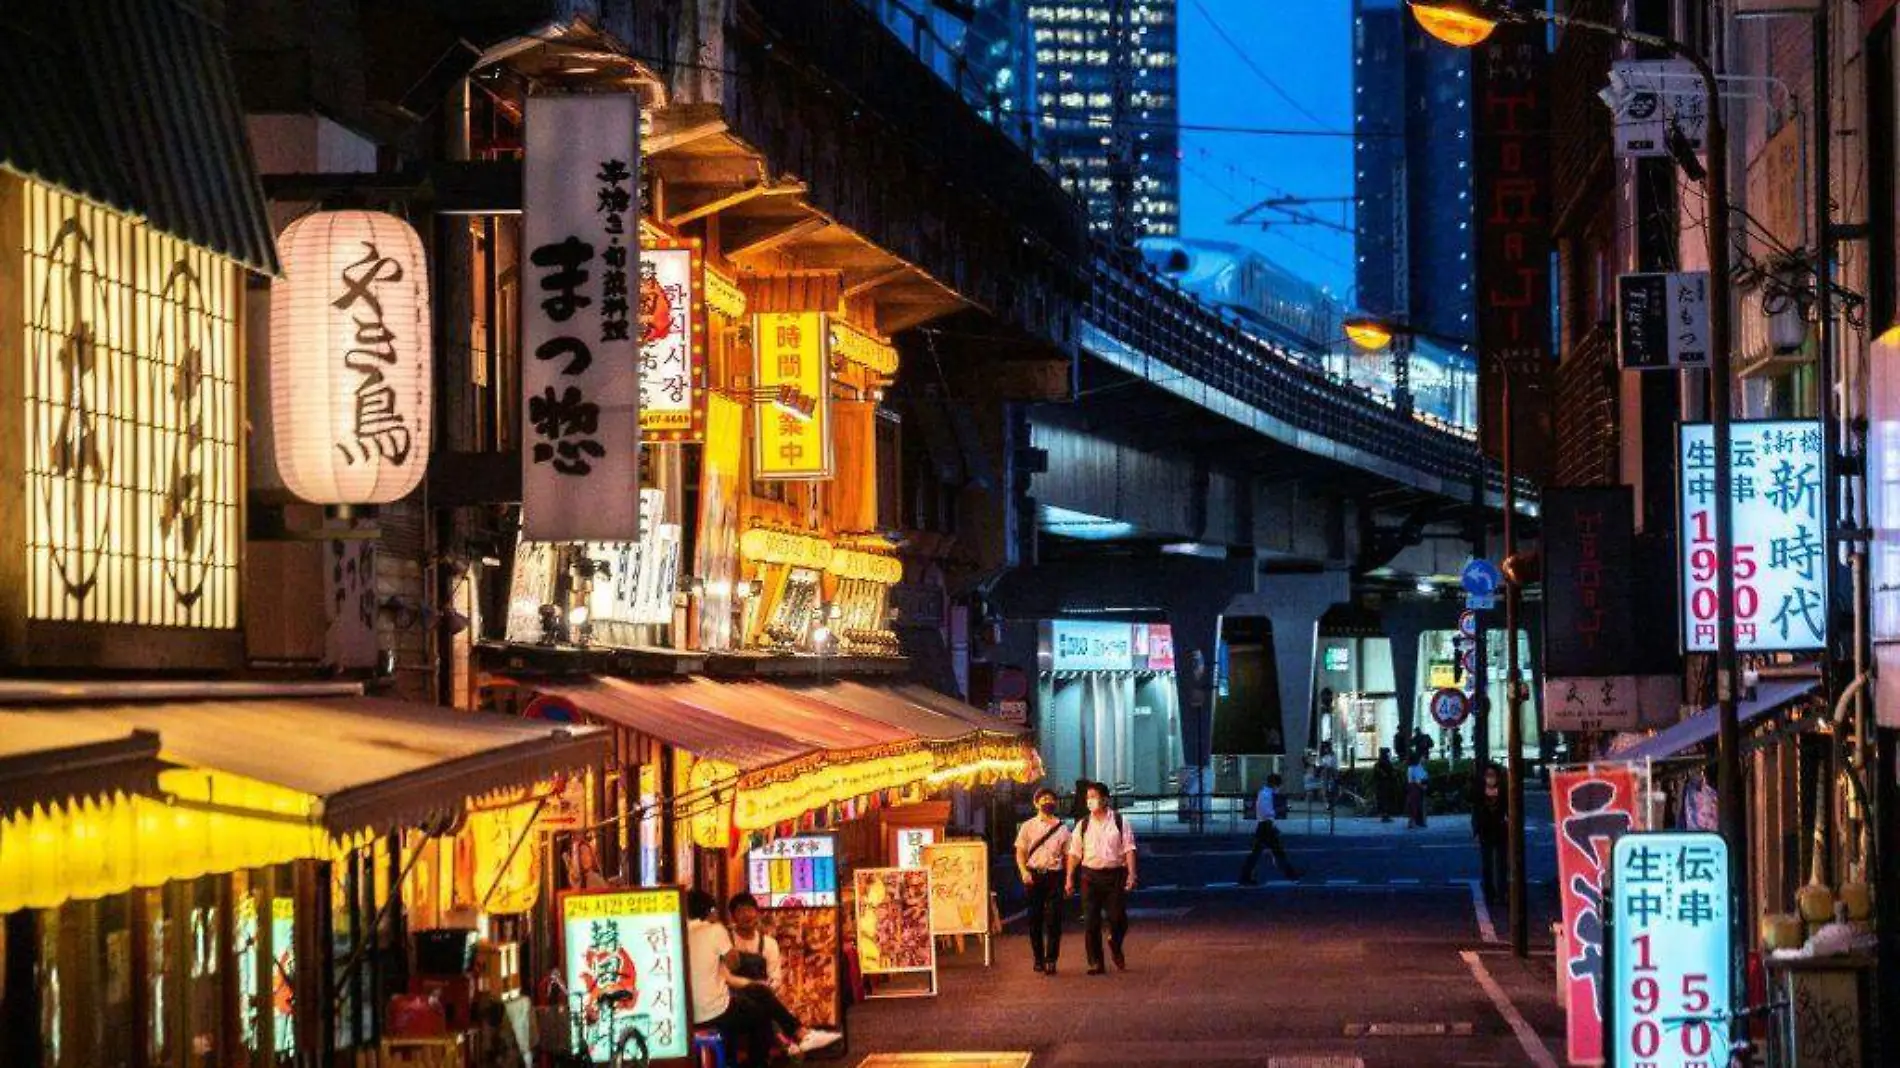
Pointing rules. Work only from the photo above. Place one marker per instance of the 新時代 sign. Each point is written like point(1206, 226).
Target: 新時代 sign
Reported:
point(1778, 536)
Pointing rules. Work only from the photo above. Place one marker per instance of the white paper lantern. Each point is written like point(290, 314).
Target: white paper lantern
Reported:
point(350, 343)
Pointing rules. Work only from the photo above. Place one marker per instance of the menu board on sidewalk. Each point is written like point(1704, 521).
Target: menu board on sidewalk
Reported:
point(893, 921)
point(959, 886)
point(809, 978)
point(630, 941)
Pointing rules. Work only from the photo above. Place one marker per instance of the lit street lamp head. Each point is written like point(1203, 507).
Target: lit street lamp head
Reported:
point(1369, 334)
point(1456, 22)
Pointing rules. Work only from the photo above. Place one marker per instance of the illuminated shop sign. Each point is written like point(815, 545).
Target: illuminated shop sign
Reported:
point(791, 401)
point(132, 419)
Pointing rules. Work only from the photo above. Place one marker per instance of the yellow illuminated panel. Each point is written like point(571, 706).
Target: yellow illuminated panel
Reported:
point(791, 402)
point(132, 421)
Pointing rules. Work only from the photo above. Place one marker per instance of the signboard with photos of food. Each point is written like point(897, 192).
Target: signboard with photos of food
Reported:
point(810, 977)
point(893, 921)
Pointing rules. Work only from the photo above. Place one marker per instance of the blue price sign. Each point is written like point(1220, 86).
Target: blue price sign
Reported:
point(1670, 984)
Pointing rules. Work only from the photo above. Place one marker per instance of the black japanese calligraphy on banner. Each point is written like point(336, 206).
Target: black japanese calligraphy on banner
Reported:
point(1589, 557)
point(1512, 219)
point(580, 355)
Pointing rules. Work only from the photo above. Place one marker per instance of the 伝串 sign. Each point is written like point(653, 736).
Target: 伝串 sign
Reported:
point(1778, 537)
point(1670, 994)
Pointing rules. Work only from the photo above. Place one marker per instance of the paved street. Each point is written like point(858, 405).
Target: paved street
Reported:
point(1378, 954)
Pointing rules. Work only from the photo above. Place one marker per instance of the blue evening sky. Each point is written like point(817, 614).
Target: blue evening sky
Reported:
point(1305, 48)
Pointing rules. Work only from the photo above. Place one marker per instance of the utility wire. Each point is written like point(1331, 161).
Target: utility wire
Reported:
point(1247, 59)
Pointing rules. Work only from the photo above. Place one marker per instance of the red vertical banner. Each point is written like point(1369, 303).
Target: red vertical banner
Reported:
point(1593, 807)
point(1511, 186)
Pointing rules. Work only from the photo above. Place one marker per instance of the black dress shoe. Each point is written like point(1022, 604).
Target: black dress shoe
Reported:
point(1049, 969)
point(1121, 962)
point(1096, 969)
point(1038, 965)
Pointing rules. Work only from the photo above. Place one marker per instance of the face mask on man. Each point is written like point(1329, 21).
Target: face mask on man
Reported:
point(1095, 804)
point(1046, 806)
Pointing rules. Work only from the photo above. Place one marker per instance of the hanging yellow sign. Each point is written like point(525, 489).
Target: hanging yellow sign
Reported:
point(791, 396)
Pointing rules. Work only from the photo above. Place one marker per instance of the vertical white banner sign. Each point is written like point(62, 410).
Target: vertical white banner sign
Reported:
point(1778, 536)
point(580, 380)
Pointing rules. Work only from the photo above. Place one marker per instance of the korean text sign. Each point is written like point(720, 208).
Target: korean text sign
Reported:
point(673, 343)
point(1779, 536)
point(1671, 956)
point(795, 872)
point(631, 941)
point(579, 362)
point(1595, 807)
point(791, 374)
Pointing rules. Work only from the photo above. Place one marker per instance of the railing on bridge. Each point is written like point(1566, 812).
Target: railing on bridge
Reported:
point(1175, 328)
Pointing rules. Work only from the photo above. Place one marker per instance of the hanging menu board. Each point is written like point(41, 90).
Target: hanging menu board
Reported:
point(959, 886)
point(794, 872)
point(810, 979)
point(893, 921)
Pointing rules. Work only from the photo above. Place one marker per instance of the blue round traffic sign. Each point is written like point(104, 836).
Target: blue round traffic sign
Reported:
point(1481, 578)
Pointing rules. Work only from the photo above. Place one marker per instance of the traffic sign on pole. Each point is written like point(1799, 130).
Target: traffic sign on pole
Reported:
point(1450, 708)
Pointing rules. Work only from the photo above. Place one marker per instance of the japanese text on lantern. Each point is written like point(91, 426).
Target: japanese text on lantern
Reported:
point(1671, 974)
point(579, 375)
point(672, 345)
point(1779, 550)
point(791, 368)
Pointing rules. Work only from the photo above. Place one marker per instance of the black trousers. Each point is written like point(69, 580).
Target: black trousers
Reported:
point(1045, 915)
point(1266, 836)
point(744, 1028)
point(764, 1000)
point(1104, 897)
point(1491, 857)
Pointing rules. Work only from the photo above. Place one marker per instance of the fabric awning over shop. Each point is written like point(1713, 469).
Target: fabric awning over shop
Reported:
point(1770, 696)
point(44, 762)
point(249, 776)
point(785, 750)
point(362, 763)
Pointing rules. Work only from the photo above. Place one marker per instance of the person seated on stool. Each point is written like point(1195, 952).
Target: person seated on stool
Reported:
point(756, 977)
point(710, 957)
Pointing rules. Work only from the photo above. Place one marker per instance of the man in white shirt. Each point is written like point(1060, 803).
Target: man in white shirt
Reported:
point(1266, 833)
point(1102, 850)
point(1042, 843)
point(710, 958)
point(757, 975)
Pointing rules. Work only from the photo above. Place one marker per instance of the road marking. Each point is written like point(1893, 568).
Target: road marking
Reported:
point(1457, 1028)
point(1157, 889)
point(1532, 1045)
point(1404, 882)
point(1342, 882)
point(1486, 929)
point(1160, 914)
point(1316, 1062)
point(1221, 886)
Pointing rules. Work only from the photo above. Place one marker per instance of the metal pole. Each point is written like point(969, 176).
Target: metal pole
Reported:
point(1513, 707)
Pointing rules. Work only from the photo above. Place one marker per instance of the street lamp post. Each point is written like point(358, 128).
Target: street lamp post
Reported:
point(1468, 22)
point(1372, 335)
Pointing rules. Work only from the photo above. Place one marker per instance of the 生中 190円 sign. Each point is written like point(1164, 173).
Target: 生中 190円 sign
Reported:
point(1670, 956)
point(1778, 536)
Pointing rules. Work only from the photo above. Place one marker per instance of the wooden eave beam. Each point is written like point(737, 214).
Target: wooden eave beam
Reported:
point(865, 283)
point(720, 203)
point(778, 238)
point(665, 140)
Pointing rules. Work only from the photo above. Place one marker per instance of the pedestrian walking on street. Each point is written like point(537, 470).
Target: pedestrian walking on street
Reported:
point(1102, 852)
point(1415, 779)
point(1042, 844)
point(1490, 820)
point(1421, 745)
point(1266, 834)
point(1388, 786)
